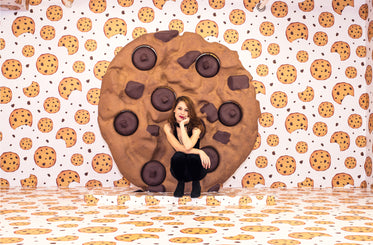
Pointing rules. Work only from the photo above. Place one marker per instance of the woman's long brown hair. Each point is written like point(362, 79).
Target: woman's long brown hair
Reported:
point(194, 120)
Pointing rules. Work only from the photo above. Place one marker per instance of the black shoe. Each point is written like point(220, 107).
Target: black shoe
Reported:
point(196, 190)
point(179, 191)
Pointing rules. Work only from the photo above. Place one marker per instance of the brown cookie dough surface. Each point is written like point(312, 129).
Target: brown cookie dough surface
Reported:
point(139, 88)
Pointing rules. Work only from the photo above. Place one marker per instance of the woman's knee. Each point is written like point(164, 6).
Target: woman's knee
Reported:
point(178, 156)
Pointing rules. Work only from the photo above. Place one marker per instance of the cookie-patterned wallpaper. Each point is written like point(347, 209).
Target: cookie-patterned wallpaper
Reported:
point(311, 63)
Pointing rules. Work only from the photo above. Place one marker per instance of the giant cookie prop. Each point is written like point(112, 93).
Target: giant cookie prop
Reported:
point(142, 83)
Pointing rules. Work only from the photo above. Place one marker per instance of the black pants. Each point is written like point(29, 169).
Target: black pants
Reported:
point(187, 167)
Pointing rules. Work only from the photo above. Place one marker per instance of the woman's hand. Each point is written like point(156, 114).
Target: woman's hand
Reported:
point(205, 159)
point(185, 121)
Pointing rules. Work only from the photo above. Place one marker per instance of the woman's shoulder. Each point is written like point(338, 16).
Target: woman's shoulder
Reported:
point(196, 130)
point(167, 126)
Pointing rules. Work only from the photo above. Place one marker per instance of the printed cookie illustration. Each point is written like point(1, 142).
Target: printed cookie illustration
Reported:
point(11, 69)
point(23, 25)
point(286, 165)
point(54, 13)
point(84, 24)
point(253, 46)
point(350, 162)
point(20, 117)
point(341, 90)
point(326, 19)
point(339, 5)
point(5, 95)
point(321, 69)
point(189, 7)
point(29, 182)
point(68, 85)
point(177, 25)
point(296, 121)
point(47, 64)
point(267, 28)
point(47, 32)
point(33, 90)
point(320, 38)
point(320, 129)
point(115, 26)
point(307, 5)
point(147, 90)
point(273, 49)
point(28, 51)
point(279, 99)
point(68, 135)
point(342, 139)
point(296, 31)
point(342, 179)
point(70, 42)
point(342, 48)
point(307, 95)
point(237, 17)
point(326, 109)
point(102, 163)
point(279, 9)
point(10, 161)
point(368, 166)
point(231, 36)
point(320, 160)
point(217, 4)
point(252, 179)
point(66, 177)
point(355, 31)
point(308, 182)
point(25, 143)
point(287, 74)
point(45, 157)
point(207, 28)
point(250, 4)
point(45, 125)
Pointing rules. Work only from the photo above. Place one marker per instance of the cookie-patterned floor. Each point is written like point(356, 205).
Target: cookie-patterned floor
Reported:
point(232, 216)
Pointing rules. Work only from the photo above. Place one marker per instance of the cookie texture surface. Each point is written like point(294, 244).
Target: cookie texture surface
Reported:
point(139, 89)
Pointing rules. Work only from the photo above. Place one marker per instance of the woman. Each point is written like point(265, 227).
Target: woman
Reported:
point(183, 132)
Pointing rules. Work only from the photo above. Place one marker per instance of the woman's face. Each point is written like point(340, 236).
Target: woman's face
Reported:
point(181, 111)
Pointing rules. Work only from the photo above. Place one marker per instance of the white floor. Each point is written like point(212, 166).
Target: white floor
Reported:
point(232, 216)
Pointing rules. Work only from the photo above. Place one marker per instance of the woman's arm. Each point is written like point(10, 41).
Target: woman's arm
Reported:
point(189, 142)
point(205, 160)
point(177, 145)
point(172, 139)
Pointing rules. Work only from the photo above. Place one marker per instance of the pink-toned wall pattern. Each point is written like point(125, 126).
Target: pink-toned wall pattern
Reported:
point(311, 62)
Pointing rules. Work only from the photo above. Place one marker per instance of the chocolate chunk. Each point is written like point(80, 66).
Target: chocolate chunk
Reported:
point(153, 173)
point(157, 188)
point(188, 59)
point(153, 130)
point(144, 58)
point(230, 114)
point(163, 99)
point(126, 123)
point(211, 112)
point(238, 82)
point(134, 89)
point(222, 137)
point(207, 65)
point(166, 36)
point(214, 157)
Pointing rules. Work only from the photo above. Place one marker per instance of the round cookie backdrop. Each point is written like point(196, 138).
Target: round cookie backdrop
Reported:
point(140, 87)
point(310, 62)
